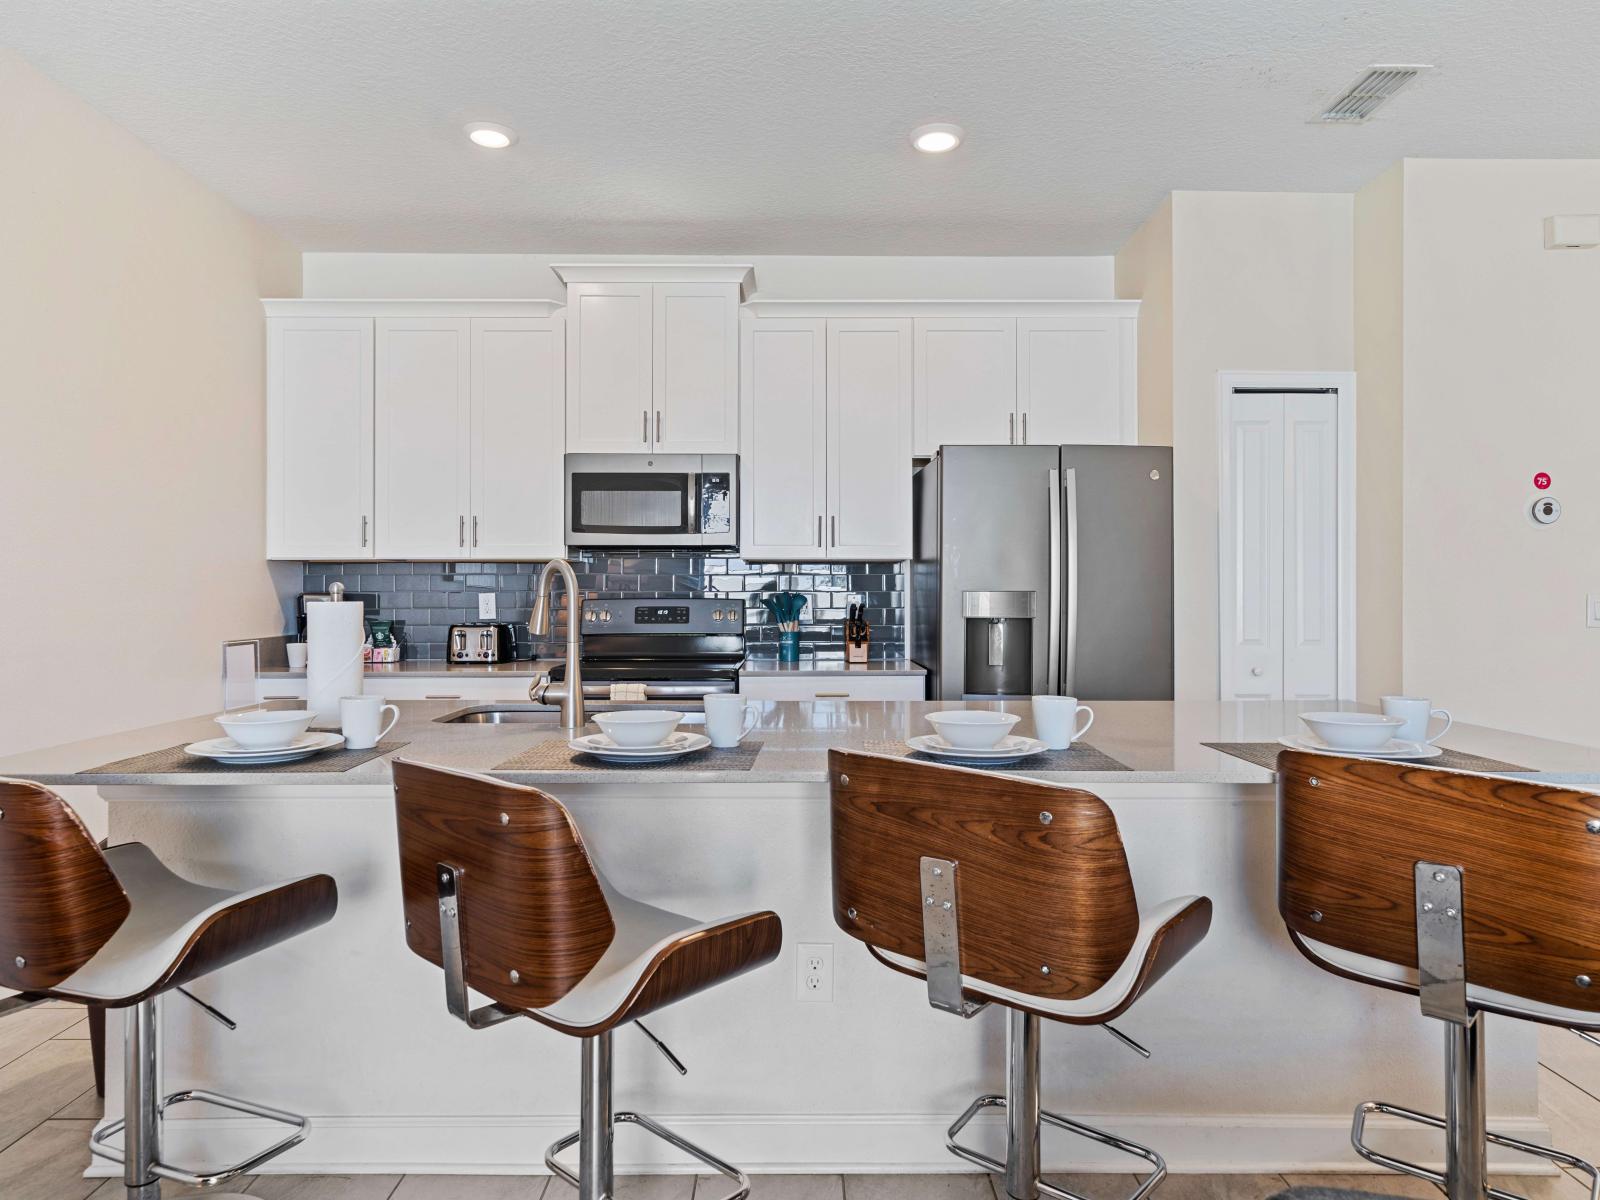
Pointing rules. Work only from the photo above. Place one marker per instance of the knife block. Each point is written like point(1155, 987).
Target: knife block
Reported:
point(857, 636)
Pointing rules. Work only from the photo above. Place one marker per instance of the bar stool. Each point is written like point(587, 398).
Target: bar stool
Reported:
point(500, 893)
point(1002, 891)
point(116, 928)
point(1472, 893)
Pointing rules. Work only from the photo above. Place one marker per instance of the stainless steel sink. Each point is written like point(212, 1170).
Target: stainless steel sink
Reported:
point(540, 714)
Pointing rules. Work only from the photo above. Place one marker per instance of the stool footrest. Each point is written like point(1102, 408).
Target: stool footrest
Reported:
point(1368, 1108)
point(1146, 1186)
point(666, 1135)
point(301, 1126)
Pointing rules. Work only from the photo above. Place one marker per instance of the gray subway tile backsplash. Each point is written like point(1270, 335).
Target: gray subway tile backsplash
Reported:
point(430, 597)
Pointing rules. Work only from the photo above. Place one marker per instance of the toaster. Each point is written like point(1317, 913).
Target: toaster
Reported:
point(482, 642)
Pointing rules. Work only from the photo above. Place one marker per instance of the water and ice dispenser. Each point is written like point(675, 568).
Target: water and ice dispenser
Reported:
point(999, 643)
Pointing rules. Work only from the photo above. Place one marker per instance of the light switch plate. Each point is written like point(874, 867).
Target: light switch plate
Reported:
point(1593, 614)
point(485, 606)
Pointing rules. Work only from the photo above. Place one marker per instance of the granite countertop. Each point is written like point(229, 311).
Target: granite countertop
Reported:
point(525, 668)
point(1160, 741)
point(831, 666)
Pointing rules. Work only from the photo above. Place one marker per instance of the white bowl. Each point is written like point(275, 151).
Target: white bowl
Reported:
point(638, 726)
point(268, 728)
point(1352, 730)
point(972, 729)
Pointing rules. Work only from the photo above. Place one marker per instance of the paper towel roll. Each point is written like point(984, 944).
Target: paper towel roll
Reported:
point(335, 634)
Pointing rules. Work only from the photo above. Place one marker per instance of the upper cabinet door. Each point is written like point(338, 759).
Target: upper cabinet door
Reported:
point(696, 374)
point(518, 425)
point(783, 470)
point(1076, 379)
point(319, 438)
point(610, 403)
point(423, 448)
point(966, 383)
point(869, 439)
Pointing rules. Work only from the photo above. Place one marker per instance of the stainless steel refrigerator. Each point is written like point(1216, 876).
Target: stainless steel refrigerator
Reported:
point(1049, 566)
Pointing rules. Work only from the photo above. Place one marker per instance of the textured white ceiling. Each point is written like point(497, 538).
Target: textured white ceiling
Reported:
point(780, 126)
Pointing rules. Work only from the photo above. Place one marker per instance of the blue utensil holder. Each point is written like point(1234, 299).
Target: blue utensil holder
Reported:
point(789, 646)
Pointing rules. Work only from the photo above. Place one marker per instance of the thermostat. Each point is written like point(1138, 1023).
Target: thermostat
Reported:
point(1546, 510)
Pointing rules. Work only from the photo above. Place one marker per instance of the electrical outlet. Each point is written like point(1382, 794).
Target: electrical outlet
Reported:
point(486, 606)
point(814, 972)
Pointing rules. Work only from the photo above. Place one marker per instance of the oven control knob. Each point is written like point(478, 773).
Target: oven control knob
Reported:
point(716, 614)
point(605, 614)
point(588, 614)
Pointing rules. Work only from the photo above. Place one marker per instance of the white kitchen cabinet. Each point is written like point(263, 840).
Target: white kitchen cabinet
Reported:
point(319, 437)
point(518, 422)
point(696, 376)
point(423, 446)
point(784, 458)
point(817, 685)
point(610, 401)
point(1076, 379)
point(653, 358)
point(826, 463)
point(966, 383)
point(869, 438)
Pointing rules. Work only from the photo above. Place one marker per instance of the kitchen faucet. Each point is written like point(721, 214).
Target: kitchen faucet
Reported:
point(570, 692)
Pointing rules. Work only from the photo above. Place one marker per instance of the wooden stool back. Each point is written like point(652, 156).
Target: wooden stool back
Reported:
point(59, 900)
point(1043, 878)
point(533, 916)
point(1351, 831)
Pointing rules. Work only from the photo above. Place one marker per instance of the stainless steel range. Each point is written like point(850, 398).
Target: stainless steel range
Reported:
point(678, 651)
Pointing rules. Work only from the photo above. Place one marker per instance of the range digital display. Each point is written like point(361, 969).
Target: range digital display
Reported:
point(661, 614)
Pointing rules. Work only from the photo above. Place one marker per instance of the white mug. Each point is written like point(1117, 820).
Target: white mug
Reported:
point(297, 655)
point(1055, 720)
point(358, 720)
point(1416, 714)
point(726, 720)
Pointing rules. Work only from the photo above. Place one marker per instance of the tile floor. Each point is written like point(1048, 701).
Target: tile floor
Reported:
point(48, 1107)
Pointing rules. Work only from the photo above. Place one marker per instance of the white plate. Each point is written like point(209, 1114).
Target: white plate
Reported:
point(226, 750)
point(603, 748)
point(937, 747)
point(1394, 749)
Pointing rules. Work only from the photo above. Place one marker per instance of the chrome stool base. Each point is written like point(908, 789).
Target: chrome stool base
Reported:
point(595, 1178)
point(1041, 1188)
point(300, 1125)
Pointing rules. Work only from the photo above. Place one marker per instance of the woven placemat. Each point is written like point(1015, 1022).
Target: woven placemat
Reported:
point(558, 756)
point(173, 761)
point(1081, 756)
point(1265, 754)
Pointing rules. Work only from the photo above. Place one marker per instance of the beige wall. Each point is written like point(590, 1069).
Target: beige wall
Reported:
point(1380, 363)
point(1144, 273)
point(1260, 281)
point(131, 423)
point(1501, 362)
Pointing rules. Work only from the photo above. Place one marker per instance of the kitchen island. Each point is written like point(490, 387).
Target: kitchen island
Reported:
point(1258, 1056)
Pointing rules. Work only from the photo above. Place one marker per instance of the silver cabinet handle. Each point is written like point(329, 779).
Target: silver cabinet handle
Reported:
point(1024, 429)
point(363, 531)
point(833, 532)
point(474, 529)
point(461, 532)
point(1069, 673)
point(819, 531)
point(1053, 653)
point(1011, 430)
point(830, 695)
point(644, 431)
point(658, 426)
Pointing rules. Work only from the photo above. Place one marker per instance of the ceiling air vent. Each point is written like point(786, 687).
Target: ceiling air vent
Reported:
point(1378, 85)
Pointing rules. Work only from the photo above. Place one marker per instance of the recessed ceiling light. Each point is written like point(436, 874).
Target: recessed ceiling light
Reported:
point(936, 139)
point(490, 136)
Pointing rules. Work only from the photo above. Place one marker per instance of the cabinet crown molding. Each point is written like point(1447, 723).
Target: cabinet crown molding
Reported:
point(760, 306)
point(410, 308)
point(742, 274)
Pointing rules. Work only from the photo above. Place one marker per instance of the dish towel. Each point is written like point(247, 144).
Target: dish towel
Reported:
point(627, 693)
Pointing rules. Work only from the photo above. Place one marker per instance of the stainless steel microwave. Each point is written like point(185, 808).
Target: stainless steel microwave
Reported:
point(653, 500)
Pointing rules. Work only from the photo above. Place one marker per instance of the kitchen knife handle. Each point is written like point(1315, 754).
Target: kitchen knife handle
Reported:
point(1053, 653)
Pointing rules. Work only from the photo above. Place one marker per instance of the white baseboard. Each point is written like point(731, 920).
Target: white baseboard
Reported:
point(830, 1143)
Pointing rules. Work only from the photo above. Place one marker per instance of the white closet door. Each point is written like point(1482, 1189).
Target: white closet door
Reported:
point(424, 417)
point(1251, 535)
point(1310, 545)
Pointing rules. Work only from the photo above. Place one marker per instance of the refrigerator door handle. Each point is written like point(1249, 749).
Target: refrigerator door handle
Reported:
point(1069, 674)
point(1053, 602)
